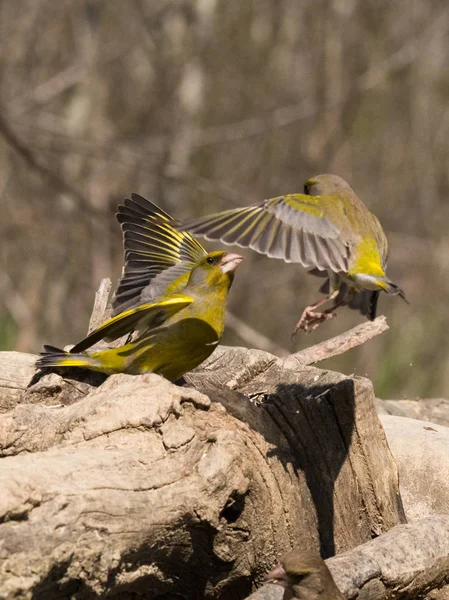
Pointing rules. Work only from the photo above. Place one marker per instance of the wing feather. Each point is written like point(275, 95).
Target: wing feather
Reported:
point(147, 316)
point(152, 245)
point(293, 228)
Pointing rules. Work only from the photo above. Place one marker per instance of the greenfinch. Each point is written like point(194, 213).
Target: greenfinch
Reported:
point(327, 229)
point(158, 257)
point(175, 300)
point(305, 576)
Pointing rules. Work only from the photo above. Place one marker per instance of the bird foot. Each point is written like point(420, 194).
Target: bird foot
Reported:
point(311, 320)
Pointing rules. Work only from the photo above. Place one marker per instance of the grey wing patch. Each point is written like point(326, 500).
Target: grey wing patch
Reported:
point(153, 246)
point(278, 231)
point(301, 219)
point(161, 281)
point(148, 287)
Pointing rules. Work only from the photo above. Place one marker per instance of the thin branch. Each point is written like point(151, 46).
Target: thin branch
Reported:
point(54, 179)
point(341, 343)
point(99, 314)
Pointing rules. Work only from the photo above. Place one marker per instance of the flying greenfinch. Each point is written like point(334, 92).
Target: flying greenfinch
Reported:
point(179, 323)
point(325, 229)
point(305, 576)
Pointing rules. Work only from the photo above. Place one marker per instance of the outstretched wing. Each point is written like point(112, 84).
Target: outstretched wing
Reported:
point(292, 227)
point(156, 252)
point(144, 317)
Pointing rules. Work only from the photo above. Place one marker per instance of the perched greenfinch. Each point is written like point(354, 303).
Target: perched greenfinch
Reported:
point(179, 318)
point(326, 229)
point(305, 576)
point(158, 257)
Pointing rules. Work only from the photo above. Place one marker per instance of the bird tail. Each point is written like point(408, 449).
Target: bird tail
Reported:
point(391, 288)
point(366, 303)
point(55, 357)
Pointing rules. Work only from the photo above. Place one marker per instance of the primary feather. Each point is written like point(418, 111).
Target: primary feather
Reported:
point(157, 254)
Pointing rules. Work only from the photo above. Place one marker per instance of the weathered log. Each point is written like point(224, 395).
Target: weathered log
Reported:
point(330, 423)
point(421, 450)
point(16, 371)
point(406, 562)
point(145, 487)
point(136, 486)
point(435, 410)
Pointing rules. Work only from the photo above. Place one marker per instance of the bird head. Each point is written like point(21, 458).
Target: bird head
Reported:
point(291, 571)
point(215, 270)
point(322, 185)
point(305, 576)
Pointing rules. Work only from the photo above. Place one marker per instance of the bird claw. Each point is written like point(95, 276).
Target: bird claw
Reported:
point(311, 320)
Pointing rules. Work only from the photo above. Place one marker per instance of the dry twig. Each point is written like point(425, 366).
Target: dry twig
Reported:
point(341, 343)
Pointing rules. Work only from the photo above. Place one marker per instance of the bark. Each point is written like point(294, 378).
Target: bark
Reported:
point(136, 486)
point(342, 343)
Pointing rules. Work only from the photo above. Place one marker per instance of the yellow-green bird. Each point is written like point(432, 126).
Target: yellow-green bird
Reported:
point(158, 256)
point(304, 576)
point(325, 229)
point(176, 300)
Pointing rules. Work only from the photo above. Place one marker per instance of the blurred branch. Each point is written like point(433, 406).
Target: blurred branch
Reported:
point(287, 115)
point(201, 184)
point(61, 82)
point(55, 180)
point(47, 90)
point(406, 54)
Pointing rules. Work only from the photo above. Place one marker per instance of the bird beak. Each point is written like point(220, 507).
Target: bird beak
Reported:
point(277, 575)
point(230, 262)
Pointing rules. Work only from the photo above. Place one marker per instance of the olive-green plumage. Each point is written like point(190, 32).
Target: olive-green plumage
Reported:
point(175, 299)
point(305, 576)
point(328, 228)
point(158, 257)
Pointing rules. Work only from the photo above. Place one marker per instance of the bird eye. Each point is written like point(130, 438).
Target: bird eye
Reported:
point(210, 260)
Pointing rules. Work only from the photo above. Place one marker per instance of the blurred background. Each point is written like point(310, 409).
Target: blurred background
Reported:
point(202, 105)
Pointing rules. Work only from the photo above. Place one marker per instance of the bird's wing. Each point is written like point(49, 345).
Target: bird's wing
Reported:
point(147, 315)
point(381, 240)
point(294, 228)
point(153, 246)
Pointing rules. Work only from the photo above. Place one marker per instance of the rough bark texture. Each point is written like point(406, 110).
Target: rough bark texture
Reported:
point(141, 487)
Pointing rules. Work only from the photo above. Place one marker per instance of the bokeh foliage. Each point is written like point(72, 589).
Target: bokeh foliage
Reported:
point(202, 105)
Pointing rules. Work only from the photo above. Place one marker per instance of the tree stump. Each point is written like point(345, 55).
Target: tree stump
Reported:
point(136, 486)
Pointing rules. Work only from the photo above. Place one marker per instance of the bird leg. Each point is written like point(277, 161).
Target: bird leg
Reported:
point(311, 319)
